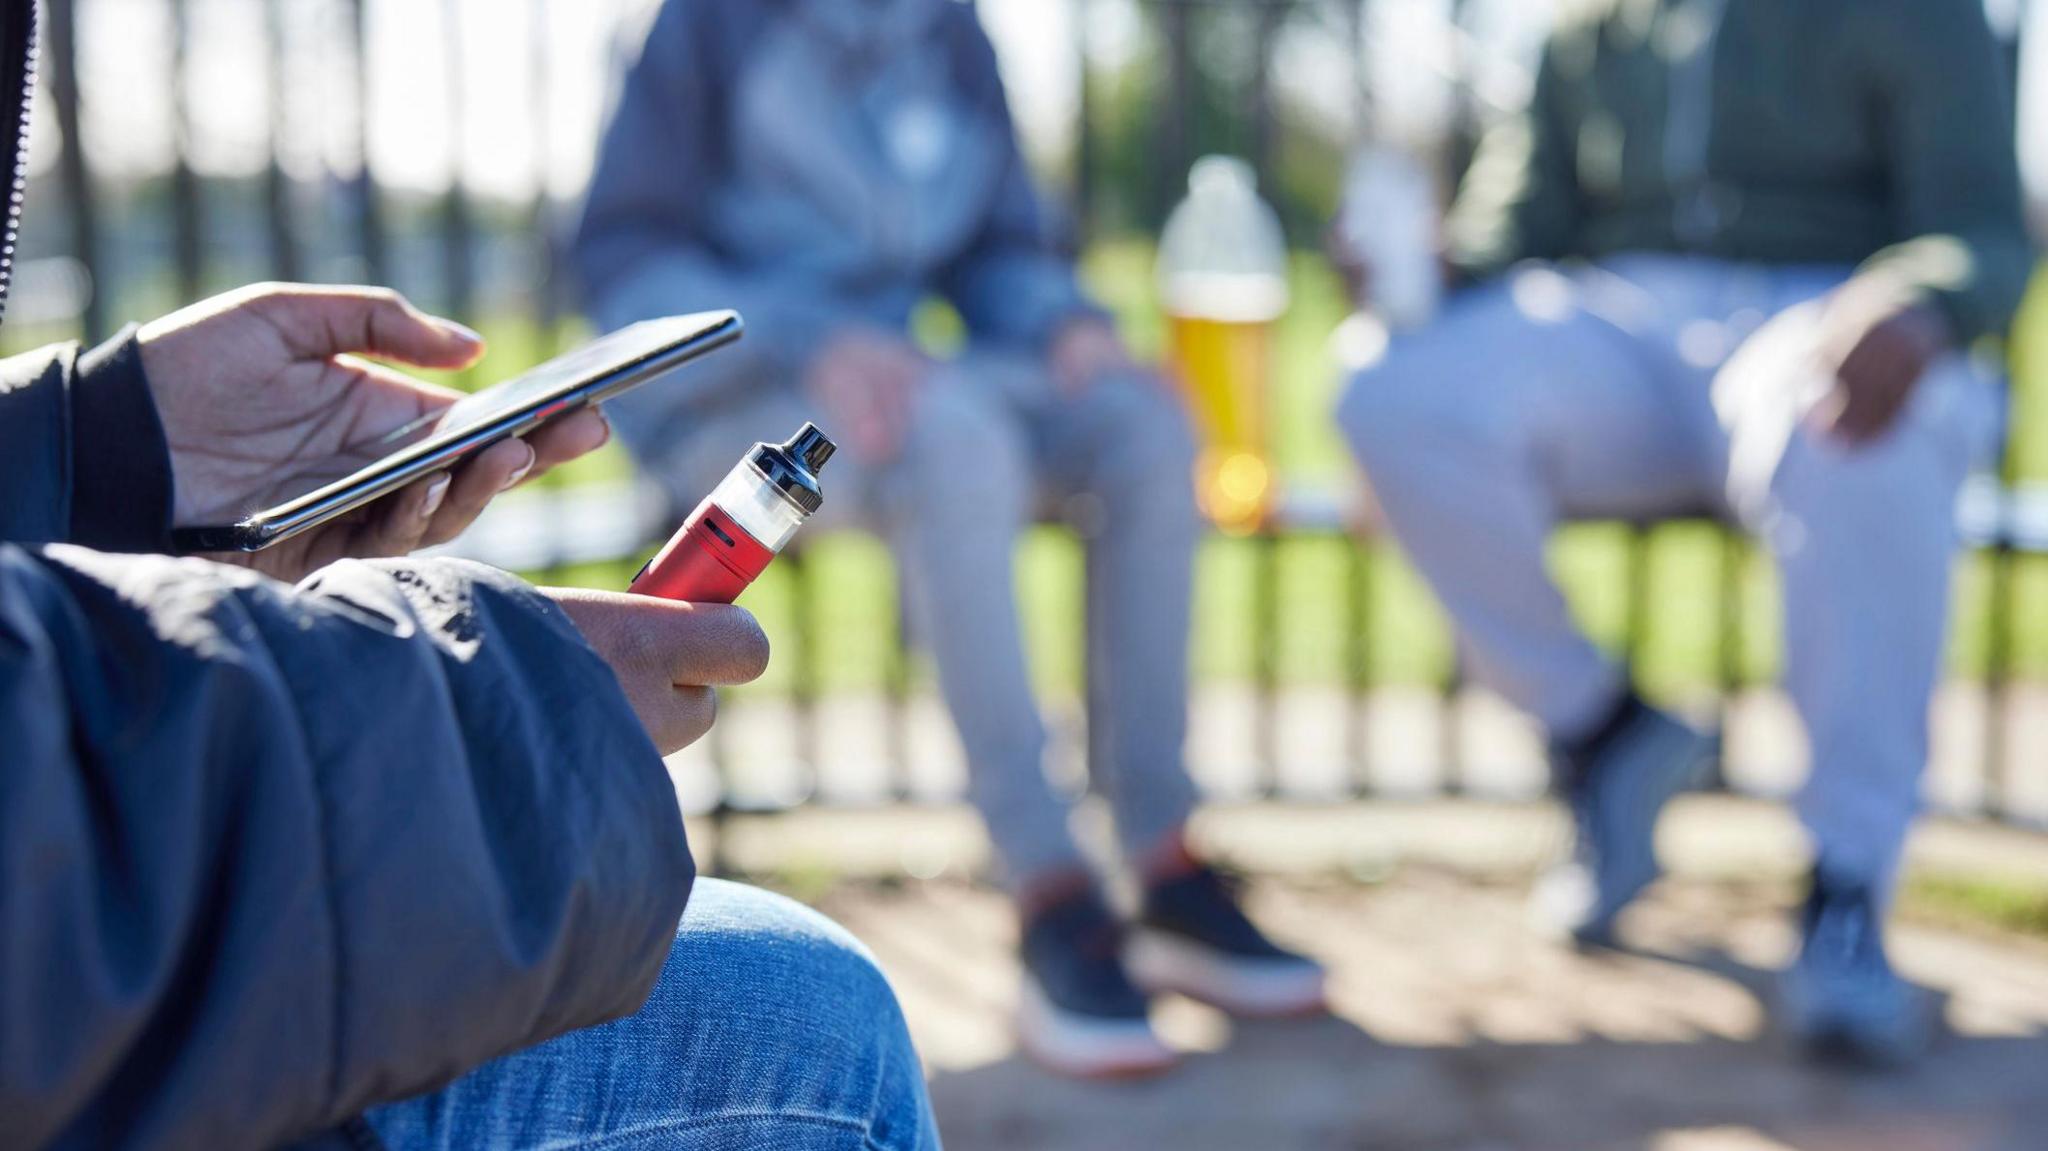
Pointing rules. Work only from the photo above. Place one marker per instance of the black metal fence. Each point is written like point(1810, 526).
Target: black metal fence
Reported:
point(103, 245)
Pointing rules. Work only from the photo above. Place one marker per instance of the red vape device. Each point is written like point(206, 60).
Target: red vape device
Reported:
point(742, 525)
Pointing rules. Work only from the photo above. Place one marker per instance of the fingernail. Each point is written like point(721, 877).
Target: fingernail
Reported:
point(437, 491)
point(463, 332)
point(519, 473)
point(606, 420)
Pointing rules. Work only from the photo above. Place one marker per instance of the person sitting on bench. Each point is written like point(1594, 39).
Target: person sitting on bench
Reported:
point(825, 166)
point(1738, 252)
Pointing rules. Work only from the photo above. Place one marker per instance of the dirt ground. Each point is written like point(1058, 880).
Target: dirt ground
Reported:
point(1457, 1028)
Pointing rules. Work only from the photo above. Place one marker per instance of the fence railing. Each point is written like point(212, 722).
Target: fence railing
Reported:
point(1992, 734)
point(116, 246)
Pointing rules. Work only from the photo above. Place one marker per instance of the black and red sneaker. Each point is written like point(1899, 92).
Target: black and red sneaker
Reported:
point(1193, 938)
point(1079, 1013)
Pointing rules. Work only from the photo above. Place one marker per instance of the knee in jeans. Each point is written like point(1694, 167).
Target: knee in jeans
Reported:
point(1147, 430)
point(1378, 409)
point(961, 443)
point(1414, 396)
point(791, 977)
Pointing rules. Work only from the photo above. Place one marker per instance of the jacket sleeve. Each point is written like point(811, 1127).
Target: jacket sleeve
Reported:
point(641, 249)
point(1520, 199)
point(1947, 104)
point(1010, 286)
point(81, 450)
point(271, 856)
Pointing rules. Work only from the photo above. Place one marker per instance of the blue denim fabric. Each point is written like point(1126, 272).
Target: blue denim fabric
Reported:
point(771, 1027)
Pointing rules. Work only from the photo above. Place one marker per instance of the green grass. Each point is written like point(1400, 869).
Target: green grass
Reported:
point(1980, 901)
point(850, 589)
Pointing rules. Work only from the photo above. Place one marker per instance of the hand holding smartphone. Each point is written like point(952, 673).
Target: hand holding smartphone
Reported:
point(596, 372)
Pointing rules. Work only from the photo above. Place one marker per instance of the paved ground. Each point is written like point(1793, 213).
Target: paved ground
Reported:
point(1456, 1028)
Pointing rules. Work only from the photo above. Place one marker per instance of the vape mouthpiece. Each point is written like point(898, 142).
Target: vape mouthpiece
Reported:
point(791, 468)
point(811, 447)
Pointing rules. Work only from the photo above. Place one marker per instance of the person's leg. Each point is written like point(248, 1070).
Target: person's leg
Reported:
point(1123, 450)
point(1524, 401)
point(1539, 397)
point(953, 505)
point(1865, 540)
point(770, 1027)
point(950, 505)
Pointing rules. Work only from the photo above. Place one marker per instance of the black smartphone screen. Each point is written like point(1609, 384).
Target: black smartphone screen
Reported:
point(590, 374)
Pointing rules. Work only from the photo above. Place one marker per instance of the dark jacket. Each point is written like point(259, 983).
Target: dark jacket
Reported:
point(818, 164)
point(1770, 131)
point(272, 855)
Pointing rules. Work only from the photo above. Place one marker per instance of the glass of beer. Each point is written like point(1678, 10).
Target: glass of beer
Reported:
point(1223, 285)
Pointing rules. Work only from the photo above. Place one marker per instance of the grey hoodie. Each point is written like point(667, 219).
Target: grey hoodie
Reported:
point(272, 855)
point(817, 163)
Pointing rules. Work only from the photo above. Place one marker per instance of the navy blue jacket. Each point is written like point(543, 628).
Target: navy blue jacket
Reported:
point(272, 855)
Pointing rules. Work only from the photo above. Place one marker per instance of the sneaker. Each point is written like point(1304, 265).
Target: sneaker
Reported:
point(1192, 938)
point(1616, 787)
point(1841, 999)
point(1079, 1013)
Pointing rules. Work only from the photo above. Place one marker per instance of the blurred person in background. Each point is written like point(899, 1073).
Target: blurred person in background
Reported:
point(1738, 252)
point(824, 166)
point(276, 854)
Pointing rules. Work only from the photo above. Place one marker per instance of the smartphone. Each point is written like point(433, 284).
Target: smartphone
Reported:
point(591, 374)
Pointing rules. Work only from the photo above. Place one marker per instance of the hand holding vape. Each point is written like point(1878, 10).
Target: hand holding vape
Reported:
point(743, 524)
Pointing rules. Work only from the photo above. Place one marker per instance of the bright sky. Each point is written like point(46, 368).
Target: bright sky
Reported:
point(502, 44)
point(125, 72)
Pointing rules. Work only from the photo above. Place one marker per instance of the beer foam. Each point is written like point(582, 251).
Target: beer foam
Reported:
point(1226, 297)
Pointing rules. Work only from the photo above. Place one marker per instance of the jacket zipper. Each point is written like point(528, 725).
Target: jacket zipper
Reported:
point(17, 190)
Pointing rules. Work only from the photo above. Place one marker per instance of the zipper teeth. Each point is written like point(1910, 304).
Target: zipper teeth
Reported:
point(17, 192)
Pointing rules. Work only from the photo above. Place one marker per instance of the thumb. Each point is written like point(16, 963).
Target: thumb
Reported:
point(317, 322)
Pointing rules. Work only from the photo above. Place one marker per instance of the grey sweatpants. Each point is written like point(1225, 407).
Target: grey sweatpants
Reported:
point(990, 439)
point(1647, 384)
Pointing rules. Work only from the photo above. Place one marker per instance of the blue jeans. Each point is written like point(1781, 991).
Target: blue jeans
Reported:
point(770, 1027)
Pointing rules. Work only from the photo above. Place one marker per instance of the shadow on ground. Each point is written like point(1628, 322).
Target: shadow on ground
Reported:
point(1457, 1029)
point(1329, 1084)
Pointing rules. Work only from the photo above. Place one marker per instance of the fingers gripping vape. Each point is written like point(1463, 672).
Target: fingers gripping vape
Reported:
point(741, 526)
